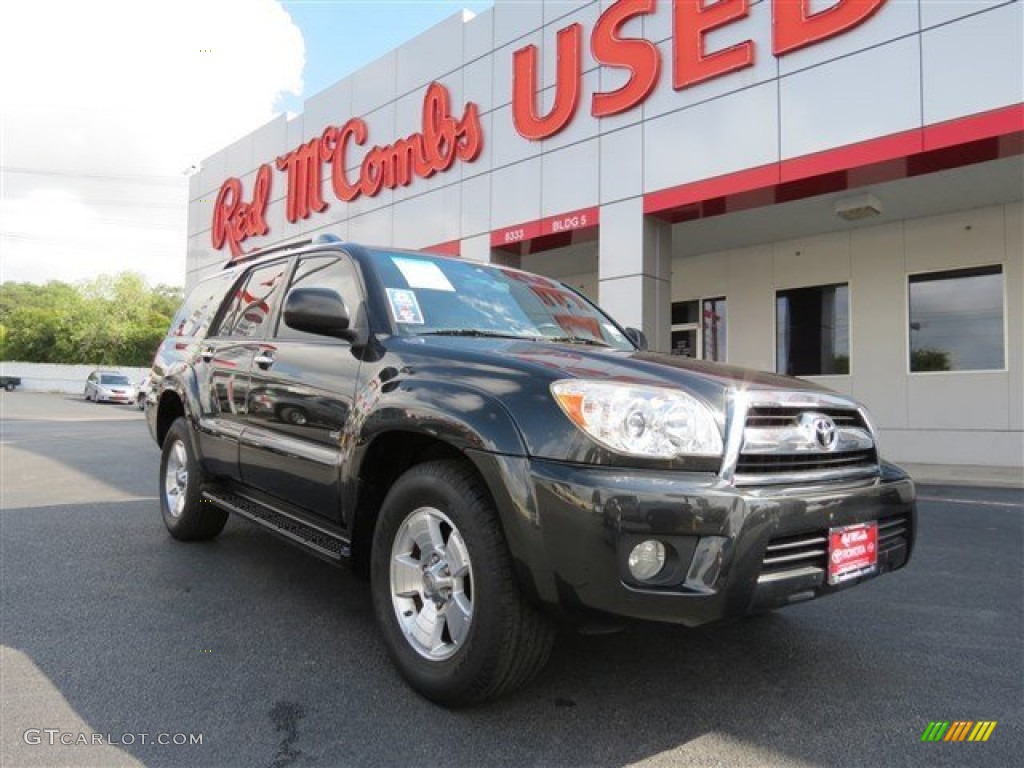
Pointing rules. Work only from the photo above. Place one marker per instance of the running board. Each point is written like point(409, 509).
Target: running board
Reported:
point(315, 538)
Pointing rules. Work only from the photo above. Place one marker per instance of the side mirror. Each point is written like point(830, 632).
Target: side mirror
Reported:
point(637, 337)
point(318, 310)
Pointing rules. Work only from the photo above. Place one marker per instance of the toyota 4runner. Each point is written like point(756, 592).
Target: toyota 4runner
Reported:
point(495, 453)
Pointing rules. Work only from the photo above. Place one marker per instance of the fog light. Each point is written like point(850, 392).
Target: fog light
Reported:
point(646, 560)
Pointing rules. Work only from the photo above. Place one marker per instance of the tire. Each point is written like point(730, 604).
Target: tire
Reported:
point(499, 641)
point(186, 515)
point(294, 415)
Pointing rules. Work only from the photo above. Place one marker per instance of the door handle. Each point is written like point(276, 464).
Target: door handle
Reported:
point(206, 355)
point(263, 361)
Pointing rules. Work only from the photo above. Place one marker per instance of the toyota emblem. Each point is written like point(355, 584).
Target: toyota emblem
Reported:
point(820, 430)
point(825, 432)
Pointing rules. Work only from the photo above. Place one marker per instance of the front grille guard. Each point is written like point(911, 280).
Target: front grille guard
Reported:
point(738, 406)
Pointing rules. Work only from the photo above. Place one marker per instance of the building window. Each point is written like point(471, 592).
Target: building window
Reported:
point(713, 329)
point(812, 331)
point(956, 320)
point(699, 329)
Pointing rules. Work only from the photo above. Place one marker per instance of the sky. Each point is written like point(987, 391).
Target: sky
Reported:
point(103, 114)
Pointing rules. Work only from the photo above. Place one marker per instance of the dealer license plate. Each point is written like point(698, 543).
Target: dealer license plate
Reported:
point(852, 551)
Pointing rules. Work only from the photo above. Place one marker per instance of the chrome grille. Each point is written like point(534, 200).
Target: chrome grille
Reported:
point(796, 553)
point(893, 533)
point(772, 463)
point(780, 441)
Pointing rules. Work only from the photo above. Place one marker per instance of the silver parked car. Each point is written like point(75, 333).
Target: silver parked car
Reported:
point(109, 387)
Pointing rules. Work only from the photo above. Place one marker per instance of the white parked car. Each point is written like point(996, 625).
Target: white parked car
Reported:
point(109, 387)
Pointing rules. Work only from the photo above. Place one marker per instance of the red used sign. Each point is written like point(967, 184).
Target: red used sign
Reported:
point(794, 26)
point(852, 551)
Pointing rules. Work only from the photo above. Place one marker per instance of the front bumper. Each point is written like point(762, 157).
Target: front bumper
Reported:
point(588, 519)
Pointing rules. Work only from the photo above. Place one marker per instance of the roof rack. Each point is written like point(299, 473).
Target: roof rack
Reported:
point(256, 253)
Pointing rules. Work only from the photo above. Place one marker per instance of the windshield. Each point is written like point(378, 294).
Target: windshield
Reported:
point(428, 295)
point(113, 378)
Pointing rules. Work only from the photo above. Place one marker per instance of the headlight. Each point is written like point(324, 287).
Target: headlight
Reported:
point(640, 421)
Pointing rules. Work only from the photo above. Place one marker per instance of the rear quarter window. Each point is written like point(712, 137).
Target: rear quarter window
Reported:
point(196, 313)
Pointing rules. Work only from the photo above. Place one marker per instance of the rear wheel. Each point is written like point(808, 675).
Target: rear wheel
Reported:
point(186, 514)
point(444, 593)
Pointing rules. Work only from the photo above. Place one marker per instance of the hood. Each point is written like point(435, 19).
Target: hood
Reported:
point(547, 362)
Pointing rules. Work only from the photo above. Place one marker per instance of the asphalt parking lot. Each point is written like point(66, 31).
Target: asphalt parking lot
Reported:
point(272, 658)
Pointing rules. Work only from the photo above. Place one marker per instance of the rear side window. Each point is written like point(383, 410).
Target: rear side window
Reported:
point(254, 302)
point(195, 314)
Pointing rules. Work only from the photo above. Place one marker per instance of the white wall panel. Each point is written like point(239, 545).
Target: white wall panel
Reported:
point(429, 56)
point(477, 82)
point(477, 248)
point(586, 14)
point(502, 82)
point(485, 161)
point(861, 97)
point(294, 132)
point(556, 9)
point(515, 194)
point(710, 139)
point(965, 400)
point(935, 12)
point(374, 85)
point(476, 205)
point(700, 277)
point(427, 220)
point(878, 307)
point(478, 35)
point(211, 175)
point(270, 141)
point(506, 145)
point(751, 308)
point(962, 239)
point(757, 27)
point(332, 106)
point(895, 19)
point(809, 261)
point(238, 157)
point(374, 228)
point(621, 164)
point(515, 18)
point(569, 178)
point(621, 239)
point(974, 64)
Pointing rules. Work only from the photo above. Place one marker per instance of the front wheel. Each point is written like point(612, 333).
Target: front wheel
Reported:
point(186, 514)
point(444, 592)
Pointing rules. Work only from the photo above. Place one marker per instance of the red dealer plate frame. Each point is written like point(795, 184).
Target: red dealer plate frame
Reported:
point(852, 551)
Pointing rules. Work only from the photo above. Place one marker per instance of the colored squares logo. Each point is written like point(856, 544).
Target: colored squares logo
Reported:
point(958, 730)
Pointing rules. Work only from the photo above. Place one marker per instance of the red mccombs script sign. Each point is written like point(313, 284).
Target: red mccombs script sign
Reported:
point(442, 140)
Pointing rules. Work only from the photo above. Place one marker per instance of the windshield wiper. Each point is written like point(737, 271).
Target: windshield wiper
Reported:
point(477, 332)
point(576, 340)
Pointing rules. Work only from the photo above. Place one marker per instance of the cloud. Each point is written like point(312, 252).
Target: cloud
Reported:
point(103, 105)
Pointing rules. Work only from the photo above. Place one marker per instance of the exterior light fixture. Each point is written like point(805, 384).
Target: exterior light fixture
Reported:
point(858, 207)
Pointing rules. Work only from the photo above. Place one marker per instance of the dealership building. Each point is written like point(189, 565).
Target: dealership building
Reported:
point(826, 188)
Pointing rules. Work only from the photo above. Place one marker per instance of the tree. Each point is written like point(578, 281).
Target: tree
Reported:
point(109, 320)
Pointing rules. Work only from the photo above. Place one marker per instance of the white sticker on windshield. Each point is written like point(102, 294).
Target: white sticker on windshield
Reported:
point(422, 274)
point(404, 306)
